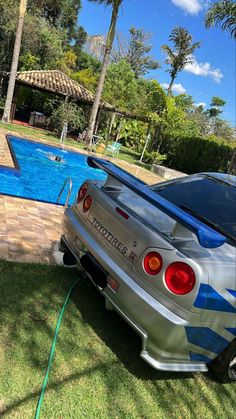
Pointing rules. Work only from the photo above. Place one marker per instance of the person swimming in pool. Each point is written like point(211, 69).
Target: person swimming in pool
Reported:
point(56, 158)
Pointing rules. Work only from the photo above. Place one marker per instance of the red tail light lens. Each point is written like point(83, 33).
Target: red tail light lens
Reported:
point(180, 278)
point(82, 192)
point(87, 203)
point(152, 263)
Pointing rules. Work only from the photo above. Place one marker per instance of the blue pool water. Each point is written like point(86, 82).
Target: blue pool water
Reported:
point(40, 177)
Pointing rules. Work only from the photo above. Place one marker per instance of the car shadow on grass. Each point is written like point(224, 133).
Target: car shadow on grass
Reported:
point(117, 334)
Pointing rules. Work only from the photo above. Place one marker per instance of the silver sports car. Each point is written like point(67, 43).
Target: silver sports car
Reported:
point(164, 257)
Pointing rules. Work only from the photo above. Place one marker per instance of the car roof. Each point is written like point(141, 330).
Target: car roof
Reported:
point(223, 177)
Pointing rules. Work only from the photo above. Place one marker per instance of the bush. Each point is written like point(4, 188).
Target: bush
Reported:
point(196, 154)
point(133, 134)
point(70, 113)
point(153, 157)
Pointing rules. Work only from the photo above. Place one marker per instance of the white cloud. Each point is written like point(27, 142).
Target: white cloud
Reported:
point(192, 7)
point(204, 69)
point(165, 85)
point(177, 88)
point(203, 104)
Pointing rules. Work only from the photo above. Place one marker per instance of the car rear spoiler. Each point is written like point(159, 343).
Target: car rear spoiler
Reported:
point(207, 237)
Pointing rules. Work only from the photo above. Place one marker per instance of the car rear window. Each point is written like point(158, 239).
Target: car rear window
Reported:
point(208, 199)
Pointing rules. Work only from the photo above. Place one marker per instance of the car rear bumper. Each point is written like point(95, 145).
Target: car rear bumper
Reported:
point(164, 343)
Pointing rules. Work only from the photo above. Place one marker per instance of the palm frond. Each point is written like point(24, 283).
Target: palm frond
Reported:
point(222, 13)
point(107, 2)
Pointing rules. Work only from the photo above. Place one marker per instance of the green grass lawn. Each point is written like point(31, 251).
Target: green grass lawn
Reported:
point(96, 371)
point(125, 153)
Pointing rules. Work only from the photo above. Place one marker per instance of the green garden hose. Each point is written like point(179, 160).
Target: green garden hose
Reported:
point(40, 400)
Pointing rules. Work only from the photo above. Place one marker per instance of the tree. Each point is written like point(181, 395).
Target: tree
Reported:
point(135, 52)
point(110, 38)
point(223, 130)
point(213, 112)
point(43, 41)
point(152, 97)
point(121, 86)
point(184, 102)
point(67, 113)
point(50, 30)
point(15, 60)
point(9, 14)
point(216, 106)
point(87, 77)
point(222, 13)
point(181, 54)
point(200, 119)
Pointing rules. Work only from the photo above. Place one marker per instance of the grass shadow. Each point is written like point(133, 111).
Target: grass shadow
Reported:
point(117, 334)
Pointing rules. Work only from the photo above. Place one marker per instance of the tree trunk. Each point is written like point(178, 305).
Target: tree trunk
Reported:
point(97, 99)
point(98, 94)
point(15, 59)
point(170, 86)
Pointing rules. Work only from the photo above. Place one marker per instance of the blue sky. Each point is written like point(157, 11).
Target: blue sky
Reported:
point(213, 70)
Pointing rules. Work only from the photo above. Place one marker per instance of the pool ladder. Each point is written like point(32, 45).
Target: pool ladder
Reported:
point(69, 192)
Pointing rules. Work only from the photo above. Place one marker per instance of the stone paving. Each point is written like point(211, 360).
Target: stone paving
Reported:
point(30, 230)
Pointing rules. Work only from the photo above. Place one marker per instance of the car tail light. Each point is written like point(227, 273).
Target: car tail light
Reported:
point(153, 263)
point(180, 278)
point(87, 203)
point(82, 192)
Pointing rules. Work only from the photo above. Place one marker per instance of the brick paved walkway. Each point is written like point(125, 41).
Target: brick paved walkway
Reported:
point(30, 230)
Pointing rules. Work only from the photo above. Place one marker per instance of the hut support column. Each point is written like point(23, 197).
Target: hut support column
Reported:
point(97, 123)
point(112, 120)
point(119, 129)
point(146, 142)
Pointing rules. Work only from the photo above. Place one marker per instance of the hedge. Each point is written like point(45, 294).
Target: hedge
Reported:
point(192, 155)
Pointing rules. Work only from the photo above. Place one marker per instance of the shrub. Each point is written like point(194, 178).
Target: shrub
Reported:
point(153, 157)
point(67, 112)
point(133, 134)
point(196, 154)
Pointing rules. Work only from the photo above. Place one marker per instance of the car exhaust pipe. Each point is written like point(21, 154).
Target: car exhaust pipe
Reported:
point(96, 272)
point(69, 259)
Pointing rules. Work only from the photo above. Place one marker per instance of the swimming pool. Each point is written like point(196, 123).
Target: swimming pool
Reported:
point(39, 177)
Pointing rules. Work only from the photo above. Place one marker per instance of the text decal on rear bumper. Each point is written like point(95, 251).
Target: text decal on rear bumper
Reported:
point(112, 239)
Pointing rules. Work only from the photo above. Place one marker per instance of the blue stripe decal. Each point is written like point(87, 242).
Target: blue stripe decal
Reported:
point(209, 299)
point(199, 357)
point(231, 330)
point(233, 292)
point(206, 338)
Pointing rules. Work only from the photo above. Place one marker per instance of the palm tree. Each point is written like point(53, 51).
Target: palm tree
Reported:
point(223, 13)
point(181, 54)
point(15, 59)
point(110, 37)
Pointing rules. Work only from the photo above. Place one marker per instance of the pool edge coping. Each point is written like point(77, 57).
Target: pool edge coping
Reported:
point(16, 168)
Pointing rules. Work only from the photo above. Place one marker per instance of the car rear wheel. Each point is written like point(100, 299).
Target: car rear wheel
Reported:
point(232, 368)
point(224, 366)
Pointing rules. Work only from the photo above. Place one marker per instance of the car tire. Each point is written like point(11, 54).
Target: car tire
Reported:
point(224, 365)
point(232, 368)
